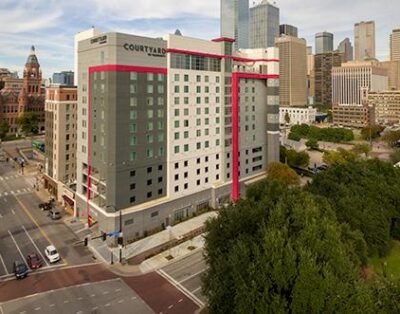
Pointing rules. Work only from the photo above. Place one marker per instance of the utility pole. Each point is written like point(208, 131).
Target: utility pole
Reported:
point(120, 236)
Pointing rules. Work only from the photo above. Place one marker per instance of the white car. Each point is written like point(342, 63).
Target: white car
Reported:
point(52, 254)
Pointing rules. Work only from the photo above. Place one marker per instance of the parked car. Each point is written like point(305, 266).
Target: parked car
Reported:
point(54, 214)
point(52, 254)
point(46, 206)
point(34, 261)
point(20, 269)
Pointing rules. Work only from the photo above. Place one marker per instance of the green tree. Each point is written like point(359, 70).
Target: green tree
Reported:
point(294, 137)
point(371, 132)
point(282, 251)
point(362, 148)
point(4, 128)
point(297, 159)
point(282, 154)
point(338, 157)
point(391, 137)
point(282, 173)
point(395, 156)
point(312, 144)
point(29, 123)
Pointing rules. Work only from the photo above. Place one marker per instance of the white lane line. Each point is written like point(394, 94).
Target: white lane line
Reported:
point(13, 212)
point(1, 216)
point(180, 300)
point(15, 242)
point(107, 305)
point(121, 301)
point(18, 191)
point(4, 265)
point(34, 244)
point(194, 275)
point(37, 308)
point(195, 290)
point(52, 305)
point(5, 194)
point(192, 297)
point(170, 307)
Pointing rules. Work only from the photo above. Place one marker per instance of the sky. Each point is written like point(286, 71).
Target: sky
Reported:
point(50, 25)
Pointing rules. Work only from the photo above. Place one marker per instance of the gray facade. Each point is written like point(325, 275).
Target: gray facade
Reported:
point(235, 21)
point(264, 25)
point(346, 48)
point(290, 30)
point(64, 78)
point(323, 42)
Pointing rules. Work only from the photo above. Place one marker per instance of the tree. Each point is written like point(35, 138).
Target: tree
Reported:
point(282, 251)
point(29, 123)
point(362, 148)
point(395, 156)
point(312, 144)
point(371, 132)
point(294, 137)
point(339, 157)
point(282, 154)
point(391, 137)
point(282, 173)
point(4, 128)
point(297, 159)
point(287, 118)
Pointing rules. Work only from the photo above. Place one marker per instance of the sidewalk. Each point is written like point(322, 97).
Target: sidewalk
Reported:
point(157, 245)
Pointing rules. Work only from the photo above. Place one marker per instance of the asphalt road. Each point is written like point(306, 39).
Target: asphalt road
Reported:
point(186, 274)
point(158, 293)
point(25, 229)
point(109, 296)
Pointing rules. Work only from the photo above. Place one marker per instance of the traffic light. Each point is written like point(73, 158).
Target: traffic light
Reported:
point(104, 236)
point(85, 241)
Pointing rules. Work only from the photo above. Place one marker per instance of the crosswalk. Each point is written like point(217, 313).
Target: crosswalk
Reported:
point(16, 192)
point(5, 178)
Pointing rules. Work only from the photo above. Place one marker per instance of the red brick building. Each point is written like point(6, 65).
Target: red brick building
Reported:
point(23, 95)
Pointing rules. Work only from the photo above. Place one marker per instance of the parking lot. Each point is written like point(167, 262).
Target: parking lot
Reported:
point(186, 275)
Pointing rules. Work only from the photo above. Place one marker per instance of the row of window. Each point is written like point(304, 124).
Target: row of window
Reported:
point(177, 77)
point(186, 148)
point(177, 100)
point(186, 89)
point(191, 62)
point(177, 135)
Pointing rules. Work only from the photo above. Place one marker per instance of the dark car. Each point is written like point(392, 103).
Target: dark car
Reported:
point(54, 214)
point(20, 269)
point(34, 261)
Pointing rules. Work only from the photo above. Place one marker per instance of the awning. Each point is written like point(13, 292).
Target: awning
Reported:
point(68, 200)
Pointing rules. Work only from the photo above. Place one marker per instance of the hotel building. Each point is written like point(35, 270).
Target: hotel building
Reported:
point(169, 126)
point(60, 142)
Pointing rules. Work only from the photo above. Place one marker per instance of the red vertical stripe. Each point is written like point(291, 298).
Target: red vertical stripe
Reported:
point(88, 152)
point(235, 137)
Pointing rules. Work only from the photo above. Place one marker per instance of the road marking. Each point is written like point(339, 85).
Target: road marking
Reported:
point(52, 305)
point(13, 212)
point(37, 225)
point(80, 298)
point(15, 242)
point(105, 292)
point(66, 301)
point(121, 301)
point(195, 290)
point(94, 308)
point(37, 308)
point(170, 307)
point(92, 295)
point(107, 305)
point(18, 191)
point(34, 244)
point(180, 300)
point(79, 312)
point(5, 194)
point(194, 275)
point(196, 300)
point(4, 265)
point(118, 290)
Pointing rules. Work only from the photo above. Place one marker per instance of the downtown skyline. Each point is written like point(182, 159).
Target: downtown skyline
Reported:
point(51, 25)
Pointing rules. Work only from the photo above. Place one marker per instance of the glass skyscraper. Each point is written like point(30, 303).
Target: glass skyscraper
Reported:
point(264, 25)
point(323, 42)
point(235, 21)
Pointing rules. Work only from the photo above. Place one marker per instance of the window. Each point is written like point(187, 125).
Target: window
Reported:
point(176, 77)
point(198, 160)
point(198, 78)
point(149, 114)
point(150, 89)
point(154, 214)
point(176, 89)
point(150, 126)
point(198, 100)
point(185, 186)
point(176, 112)
point(132, 140)
point(150, 76)
point(160, 89)
point(132, 114)
point(198, 145)
point(160, 113)
point(128, 222)
point(132, 199)
point(186, 123)
point(176, 149)
point(198, 182)
point(133, 76)
point(150, 194)
point(186, 112)
point(160, 167)
point(186, 89)
point(149, 152)
point(160, 191)
point(176, 123)
point(198, 89)
point(185, 175)
point(149, 182)
point(186, 134)
point(186, 78)
point(176, 135)
point(206, 79)
point(198, 133)
point(186, 147)
point(133, 186)
point(132, 88)
point(132, 156)
point(176, 188)
point(150, 101)
point(186, 100)
point(176, 165)
point(133, 173)
point(160, 179)
point(149, 169)
point(133, 102)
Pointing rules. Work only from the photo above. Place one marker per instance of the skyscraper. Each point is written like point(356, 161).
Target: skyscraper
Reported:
point(323, 42)
point(235, 21)
point(64, 78)
point(292, 70)
point(323, 78)
point(287, 29)
point(364, 40)
point(264, 25)
point(346, 48)
point(395, 45)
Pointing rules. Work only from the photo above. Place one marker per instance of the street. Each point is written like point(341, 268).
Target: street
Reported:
point(25, 229)
point(186, 274)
